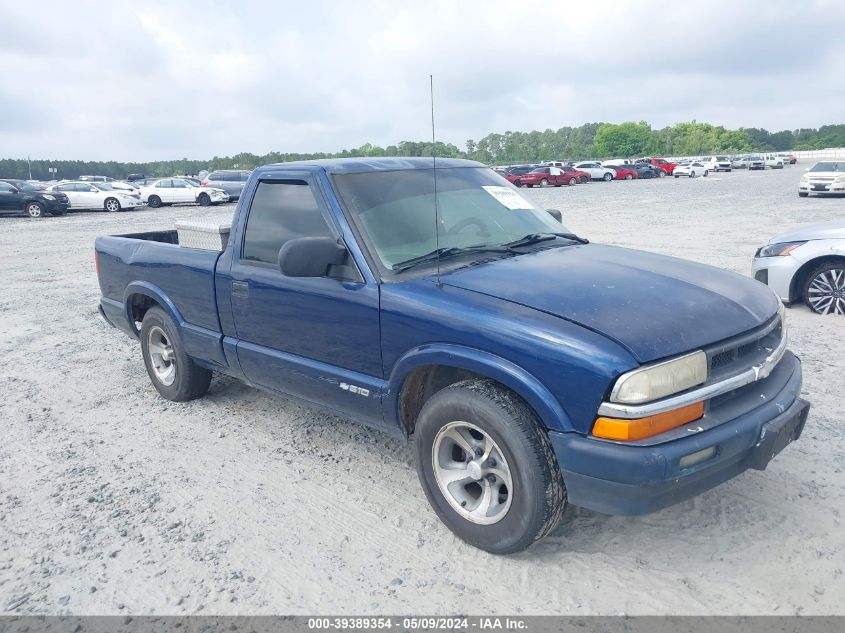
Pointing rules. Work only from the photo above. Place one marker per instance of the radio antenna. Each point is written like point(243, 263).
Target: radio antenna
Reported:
point(434, 173)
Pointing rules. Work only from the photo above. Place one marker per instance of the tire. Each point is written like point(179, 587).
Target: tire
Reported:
point(111, 204)
point(34, 209)
point(824, 289)
point(59, 213)
point(661, 174)
point(485, 416)
point(607, 177)
point(676, 175)
point(803, 194)
point(173, 373)
point(154, 202)
point(584, 180)
point(204, 200)
point(544, 182)
point(705, 173)
point(628, 177)
point(573, 181)
point(518, 183)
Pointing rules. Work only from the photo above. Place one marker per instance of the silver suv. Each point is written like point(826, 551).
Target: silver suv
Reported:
point(232, 181)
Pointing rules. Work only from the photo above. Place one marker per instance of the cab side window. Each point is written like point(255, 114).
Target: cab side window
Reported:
point(280, 211)
point(5, 187)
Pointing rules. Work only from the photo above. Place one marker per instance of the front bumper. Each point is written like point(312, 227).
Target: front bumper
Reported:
point(776, 273)
point(615, 478)
point(827, 186)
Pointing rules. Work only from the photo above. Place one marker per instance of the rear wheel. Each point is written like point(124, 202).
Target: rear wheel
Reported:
point(607, 177)
point(173, 373)
point(824, 290)
point(112, 204)
point(544, 182)
point(35, 209)
point(154, 202)
point(487, 467)
point(705, 173)
point(629, 176)
point(661, 174)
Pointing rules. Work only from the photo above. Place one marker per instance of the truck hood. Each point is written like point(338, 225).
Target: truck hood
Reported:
point(823, 231)
point(654, 306)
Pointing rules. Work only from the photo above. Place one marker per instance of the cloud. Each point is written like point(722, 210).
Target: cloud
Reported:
point(169, 80)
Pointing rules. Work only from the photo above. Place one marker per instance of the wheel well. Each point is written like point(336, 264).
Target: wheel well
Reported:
point(138, 306)
point(421, 384)
point(800, 277)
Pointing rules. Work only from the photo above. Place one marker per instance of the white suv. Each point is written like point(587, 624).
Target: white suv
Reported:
point(773, 161)
point(718, 163)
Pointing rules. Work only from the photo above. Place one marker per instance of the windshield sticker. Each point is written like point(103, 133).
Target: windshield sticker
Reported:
point(508, 197)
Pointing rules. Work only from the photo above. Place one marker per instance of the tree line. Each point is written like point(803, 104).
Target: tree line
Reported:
point(591, 140)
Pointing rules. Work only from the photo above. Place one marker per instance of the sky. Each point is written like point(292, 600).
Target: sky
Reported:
point(155, 80)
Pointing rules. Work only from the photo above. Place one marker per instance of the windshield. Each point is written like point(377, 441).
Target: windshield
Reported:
point(829, 167)
point(26, 186)
point(394, 211)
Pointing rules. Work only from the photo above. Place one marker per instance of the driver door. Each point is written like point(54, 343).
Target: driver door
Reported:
point(316, 338)
point(181, 191)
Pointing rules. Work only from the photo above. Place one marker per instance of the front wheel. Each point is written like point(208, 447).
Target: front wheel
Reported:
point(487, 467)
point(628, 177)
point(661, 174)
point(544, 182)
point(607, 177)
point(35, 210)
point(824, 290)
point(173, 373)
point(584, 180)
point(572, 182)
point(705, 173)
point(154, 202)
point(803, 194)
point(204, 200)
point(112, 204)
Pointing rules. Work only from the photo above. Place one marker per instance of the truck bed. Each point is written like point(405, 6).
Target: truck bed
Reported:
point(155, 260)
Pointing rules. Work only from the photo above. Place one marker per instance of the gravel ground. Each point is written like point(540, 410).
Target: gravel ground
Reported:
point(114, 501)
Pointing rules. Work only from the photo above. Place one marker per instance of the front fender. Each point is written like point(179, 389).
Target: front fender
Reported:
point(513, 376)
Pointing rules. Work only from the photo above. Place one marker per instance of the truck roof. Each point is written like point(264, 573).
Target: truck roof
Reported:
point(358, 165)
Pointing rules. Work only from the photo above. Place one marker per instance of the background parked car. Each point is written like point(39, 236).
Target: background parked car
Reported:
point(773, 161)
point(134, 177)
point(806, 265)
point(647, 170)
point(19, 196)
point(739, 162)
point(717, 163)
point(95, 195)
point(823, 178)
point(231, 181)
point(596, 171)
point(755, 162)
point(690, 168)
point(130, 188)
point(625, 172)
point(166, 191)
point(547, 177)
point(513, 174)
point(95, 179)
point(667, 166)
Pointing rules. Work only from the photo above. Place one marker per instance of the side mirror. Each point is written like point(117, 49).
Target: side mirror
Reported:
point(556, 214)
point(15, 190)
point(315, 257)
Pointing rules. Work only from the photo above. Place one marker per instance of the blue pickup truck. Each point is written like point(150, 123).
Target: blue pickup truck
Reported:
point(531, 368)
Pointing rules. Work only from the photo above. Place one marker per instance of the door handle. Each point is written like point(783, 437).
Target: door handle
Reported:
point(240, 289)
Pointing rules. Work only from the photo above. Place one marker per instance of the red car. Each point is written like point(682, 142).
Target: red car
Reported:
point(623, 172)
point(514, 174)
point(552, 177)
point(664, 164)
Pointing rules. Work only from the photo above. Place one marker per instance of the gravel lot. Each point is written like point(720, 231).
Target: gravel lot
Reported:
point(113, 500)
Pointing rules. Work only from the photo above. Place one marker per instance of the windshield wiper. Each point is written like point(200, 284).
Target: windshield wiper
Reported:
point(536, 238)
point(446, 252)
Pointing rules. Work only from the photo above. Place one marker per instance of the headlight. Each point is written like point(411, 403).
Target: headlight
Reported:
point(660, 380)
point(782, 249)
point(49, 196)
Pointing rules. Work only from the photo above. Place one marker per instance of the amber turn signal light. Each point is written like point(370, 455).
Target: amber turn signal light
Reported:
point(628, 430)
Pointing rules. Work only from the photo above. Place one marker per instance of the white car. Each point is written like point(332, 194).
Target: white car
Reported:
point(824, 177)
point(690, 168)
point(125, 186)
point(773, 161)
point(718, 163)
point(596, 171)
point(96, 195)
point(177, 190)
point(806, 265)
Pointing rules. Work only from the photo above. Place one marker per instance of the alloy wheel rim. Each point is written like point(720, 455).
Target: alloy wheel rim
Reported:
point(826, 293)
point(33, 210)
point(472, 473)
point(162, 357)
point(111, 205)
